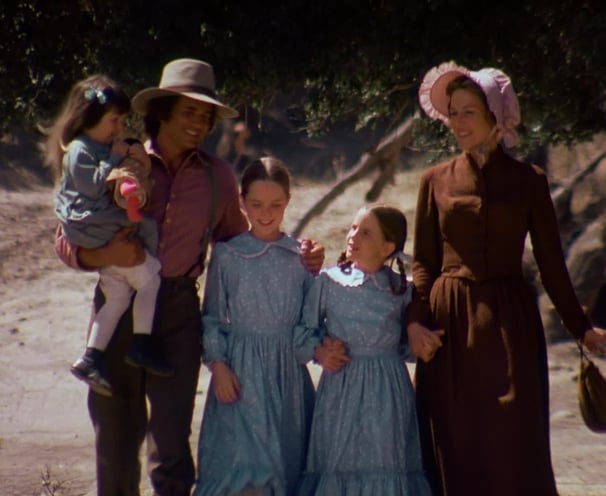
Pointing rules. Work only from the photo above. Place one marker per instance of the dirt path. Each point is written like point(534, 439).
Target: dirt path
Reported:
point(46, 443)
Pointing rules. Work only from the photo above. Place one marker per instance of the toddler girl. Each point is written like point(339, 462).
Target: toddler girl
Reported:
point(83, 148)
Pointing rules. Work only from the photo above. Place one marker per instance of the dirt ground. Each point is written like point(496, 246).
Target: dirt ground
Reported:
point(46, 441)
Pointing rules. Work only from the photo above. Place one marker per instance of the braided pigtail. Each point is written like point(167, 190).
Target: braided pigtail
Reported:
point(394, 227)
point(343, 263)
point(401, 287)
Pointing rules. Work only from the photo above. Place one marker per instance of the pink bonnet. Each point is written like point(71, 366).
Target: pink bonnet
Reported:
point(502, 100)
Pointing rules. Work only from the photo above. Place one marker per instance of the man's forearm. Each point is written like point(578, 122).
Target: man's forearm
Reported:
point(68, 253)
point(121, 251)
point(91, 258)
point(78, 257)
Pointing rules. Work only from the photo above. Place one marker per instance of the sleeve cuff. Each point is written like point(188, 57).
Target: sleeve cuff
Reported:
point(306, 353)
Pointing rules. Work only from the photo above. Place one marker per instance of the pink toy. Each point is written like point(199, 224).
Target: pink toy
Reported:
point(130, 190)
point(131, 185)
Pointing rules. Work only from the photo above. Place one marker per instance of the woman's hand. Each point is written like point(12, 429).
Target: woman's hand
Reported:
point(312, 255)
point(423, 342)
point(332, 355)
point(595, 340)
point(227, 386)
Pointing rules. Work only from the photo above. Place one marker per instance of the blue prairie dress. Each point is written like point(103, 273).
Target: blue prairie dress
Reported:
point(253, 301)
point(365, 437)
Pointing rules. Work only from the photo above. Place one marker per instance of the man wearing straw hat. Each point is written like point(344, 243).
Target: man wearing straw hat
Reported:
point(194, 201)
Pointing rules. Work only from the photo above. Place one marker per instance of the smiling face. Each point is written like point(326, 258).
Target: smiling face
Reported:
point(470, 120)
point(189, 123)
point(366, 244)
point(265, 203)
point(109, 127)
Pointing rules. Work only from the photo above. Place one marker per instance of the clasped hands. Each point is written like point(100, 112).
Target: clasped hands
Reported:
point(331, 355)
point(423, 342)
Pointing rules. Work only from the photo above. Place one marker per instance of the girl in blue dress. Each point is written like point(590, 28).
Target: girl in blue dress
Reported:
point(257, 416)
point(364, 439)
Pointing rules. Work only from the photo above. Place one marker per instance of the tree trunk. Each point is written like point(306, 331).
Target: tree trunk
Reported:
point(562, 195)
point(584, 244)
point(385, 157)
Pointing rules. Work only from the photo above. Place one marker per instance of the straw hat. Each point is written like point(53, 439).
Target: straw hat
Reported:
point(502, 100)
point(188, 77)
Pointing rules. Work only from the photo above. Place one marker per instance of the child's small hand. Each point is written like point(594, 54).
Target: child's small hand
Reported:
point(312, 255)
point(227, 386)
point(137, 151)
point(331, 359)
point(119, 148)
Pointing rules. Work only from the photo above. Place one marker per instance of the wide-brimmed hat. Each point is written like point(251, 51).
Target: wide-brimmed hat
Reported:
point(501, 98)
point(188, 77)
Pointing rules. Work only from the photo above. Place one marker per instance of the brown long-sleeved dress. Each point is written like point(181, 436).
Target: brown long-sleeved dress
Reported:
point(483, 400)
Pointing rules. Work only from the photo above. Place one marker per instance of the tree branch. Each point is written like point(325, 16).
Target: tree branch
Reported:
point(386, 152)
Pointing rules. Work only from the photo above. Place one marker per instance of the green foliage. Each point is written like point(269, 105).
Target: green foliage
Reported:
point(360, 60)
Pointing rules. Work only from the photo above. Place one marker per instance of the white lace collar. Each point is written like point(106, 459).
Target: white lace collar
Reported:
point(353, 277)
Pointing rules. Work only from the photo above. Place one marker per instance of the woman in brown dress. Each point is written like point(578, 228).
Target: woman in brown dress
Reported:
point(482, 383)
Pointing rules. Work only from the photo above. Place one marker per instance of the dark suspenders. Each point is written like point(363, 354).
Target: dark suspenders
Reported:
point(208, 232)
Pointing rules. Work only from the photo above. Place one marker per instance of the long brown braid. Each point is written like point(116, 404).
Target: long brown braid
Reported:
point(401, 288)
point(395, 229)
point(343, 263)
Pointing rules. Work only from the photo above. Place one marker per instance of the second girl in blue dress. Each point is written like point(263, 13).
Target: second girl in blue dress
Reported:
point(256, 422)
point(365, 437)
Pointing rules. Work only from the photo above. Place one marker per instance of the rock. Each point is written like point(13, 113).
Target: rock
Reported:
point(586, 262)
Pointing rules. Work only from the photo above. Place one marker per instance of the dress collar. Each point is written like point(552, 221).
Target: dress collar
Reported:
point(247, 246)
point(353, 277)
